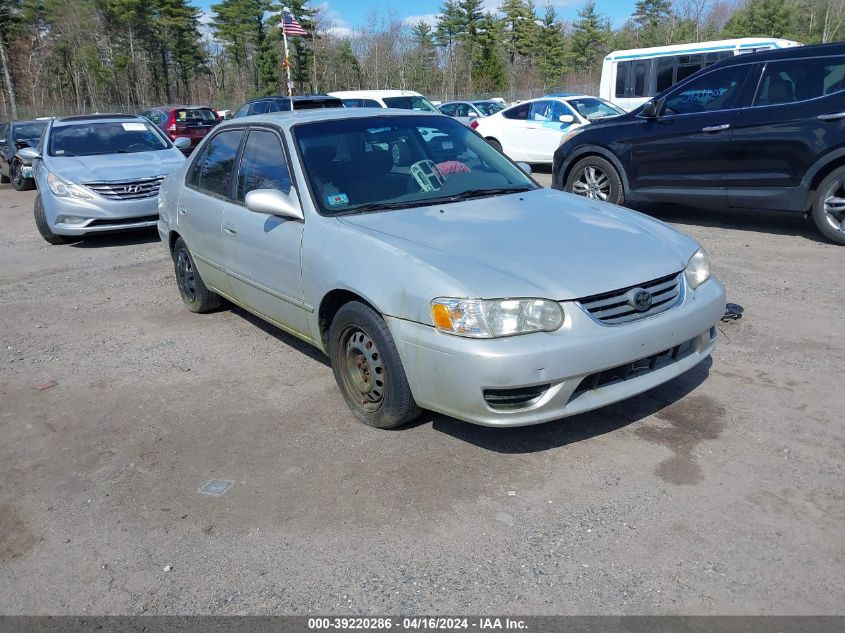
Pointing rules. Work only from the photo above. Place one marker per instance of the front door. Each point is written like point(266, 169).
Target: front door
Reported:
point(544, 129)
point(684, 152)
point(261, 251)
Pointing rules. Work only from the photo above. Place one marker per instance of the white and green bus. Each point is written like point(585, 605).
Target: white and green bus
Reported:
point(630, 78)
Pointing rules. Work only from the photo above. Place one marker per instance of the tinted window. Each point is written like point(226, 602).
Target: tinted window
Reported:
point(488, 107)
point(799, 80)
point(243, 111)
point(462, 109)
point(448, 110)
point(29, 131)
point(712, 91)
point(263, 164)
point(361, 103)
point(212, 172)
point(89, 139)
point(640, 78)
point(259, 107)
point(517, 112)
point(157, 117)
point(410, 103)
point(622, 78)
point(665, 73)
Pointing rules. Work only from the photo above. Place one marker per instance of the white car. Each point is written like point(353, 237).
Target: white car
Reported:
point(402, 99)
point(531, 131)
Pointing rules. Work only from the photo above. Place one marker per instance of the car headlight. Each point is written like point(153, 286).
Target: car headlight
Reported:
point(698, 269)
point(491, 318)
point(62, 189)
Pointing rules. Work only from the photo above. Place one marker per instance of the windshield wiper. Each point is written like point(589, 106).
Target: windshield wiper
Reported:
point(481, 193)
point(383, 206)
point(425, 202)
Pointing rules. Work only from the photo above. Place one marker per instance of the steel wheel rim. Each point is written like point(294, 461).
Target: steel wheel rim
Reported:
point(362, 369)
point(592, 183)
point(834, 205)
point(185, 276)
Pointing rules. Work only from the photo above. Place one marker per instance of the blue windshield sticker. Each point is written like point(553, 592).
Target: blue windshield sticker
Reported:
point(338, 198)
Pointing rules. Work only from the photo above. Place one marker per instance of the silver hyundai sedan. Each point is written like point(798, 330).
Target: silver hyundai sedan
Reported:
point(433, 271)
point(99, 173)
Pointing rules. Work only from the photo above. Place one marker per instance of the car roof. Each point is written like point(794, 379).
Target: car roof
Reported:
point(379, 94)
point(182, 106)
point(289, 119)
point(44, 121)
point(793, 52)
point(82, 118)
point(296, 98)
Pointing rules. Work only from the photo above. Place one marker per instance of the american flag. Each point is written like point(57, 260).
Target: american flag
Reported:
point(290, 26)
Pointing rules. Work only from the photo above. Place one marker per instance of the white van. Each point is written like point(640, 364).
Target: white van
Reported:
point(632, 77)
point(403, 99)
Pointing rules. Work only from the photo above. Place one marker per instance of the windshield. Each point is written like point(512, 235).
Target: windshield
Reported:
point(593, 109)
point(29, 131)
point(410, 103)
point(487, 107)
point(388, 162)
point(112, 137)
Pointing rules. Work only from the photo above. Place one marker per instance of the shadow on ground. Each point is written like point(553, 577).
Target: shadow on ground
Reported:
point(123, 238)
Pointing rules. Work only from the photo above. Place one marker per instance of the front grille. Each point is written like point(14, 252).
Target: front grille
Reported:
point(514, 398)
point(635, 369)
point(121, 221)
point(615, 307)
point(127, 190)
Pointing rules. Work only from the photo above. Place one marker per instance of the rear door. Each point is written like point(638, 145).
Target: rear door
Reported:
point(684, 153)
point(508, 127)
point(797, 117)
point(262, 251)
point(199, 212)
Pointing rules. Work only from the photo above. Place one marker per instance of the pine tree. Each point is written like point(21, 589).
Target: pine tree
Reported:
point(520, 29)
point(470, 22)
point(761, 18)
point(490, 74)
point(652, 18)
point(591, 34)
point(551, 47)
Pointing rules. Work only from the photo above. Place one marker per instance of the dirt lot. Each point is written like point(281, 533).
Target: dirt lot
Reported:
point(721, 492)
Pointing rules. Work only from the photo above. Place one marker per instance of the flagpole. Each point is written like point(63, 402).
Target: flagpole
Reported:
point(287, 60)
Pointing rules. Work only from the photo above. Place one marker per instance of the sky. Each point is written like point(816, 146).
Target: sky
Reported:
point(350, 14)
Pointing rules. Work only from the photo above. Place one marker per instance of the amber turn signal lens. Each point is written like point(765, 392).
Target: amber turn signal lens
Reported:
point(440, 313)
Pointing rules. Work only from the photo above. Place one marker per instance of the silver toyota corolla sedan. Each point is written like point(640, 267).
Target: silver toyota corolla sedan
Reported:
point(99, 173)
point(432, 270)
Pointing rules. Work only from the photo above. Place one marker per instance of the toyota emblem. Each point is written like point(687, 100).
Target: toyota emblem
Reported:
point(639, 299)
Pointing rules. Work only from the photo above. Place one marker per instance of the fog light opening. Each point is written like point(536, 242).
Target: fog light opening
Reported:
point(72, 220)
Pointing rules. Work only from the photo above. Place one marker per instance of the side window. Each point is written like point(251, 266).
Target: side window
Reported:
point(541, 111)
point(157, 117)
point(558, 110)
point(370, 103)
point(462, 109)
point(243, 111)
point(448, 110)
point(688, 65)
point(641, 77)
point(212, 173)
point(263, 164)
point(665, 73)
point(622, 69)
point(517, 112)
point(800, 80)
point(716, 90)
point(259, 107)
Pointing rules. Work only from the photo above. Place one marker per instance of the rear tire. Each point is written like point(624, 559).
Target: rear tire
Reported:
point(44, 228)
point(368, 369)
point(595, 178)
point(496, 145)
point(19, 182)
point(829, 206)
point(195, 294)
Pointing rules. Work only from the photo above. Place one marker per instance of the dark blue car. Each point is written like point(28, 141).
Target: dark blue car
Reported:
point(14, 136)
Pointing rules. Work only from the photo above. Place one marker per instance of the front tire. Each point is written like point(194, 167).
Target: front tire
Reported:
point(829, 206)
point(368, 369)
point(195, 294)
point(18, 181)
point(595, 178)
point(44, 228)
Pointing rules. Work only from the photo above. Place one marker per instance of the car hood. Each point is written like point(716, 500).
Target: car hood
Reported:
point(116, 167)
point(542, 243)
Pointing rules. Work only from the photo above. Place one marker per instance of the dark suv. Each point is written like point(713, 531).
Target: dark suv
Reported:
point(282, 104)
point(758, 131)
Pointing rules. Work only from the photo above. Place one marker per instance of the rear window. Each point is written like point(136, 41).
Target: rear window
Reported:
point(410, 103)
point(112, 137)
point(195, 115)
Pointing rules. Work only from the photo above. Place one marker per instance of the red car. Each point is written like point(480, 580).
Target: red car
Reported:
point(189, 121)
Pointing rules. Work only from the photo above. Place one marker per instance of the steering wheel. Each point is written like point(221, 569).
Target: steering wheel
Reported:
point(427, 176)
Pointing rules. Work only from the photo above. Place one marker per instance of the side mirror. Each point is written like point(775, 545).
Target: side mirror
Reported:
point(29, 153)
point(273, 202)
point(182, 142)
point(525, 167)
point(651, 110)
point(566, 118)
point(472, 114)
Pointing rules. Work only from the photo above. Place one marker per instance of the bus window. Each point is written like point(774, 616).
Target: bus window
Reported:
point(665, 73)
point(641, 79)
point(688, 65)
point(622, 78)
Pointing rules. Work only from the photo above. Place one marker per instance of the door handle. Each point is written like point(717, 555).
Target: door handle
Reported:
point(717, 128)
point(230, 228)
point(832, 117)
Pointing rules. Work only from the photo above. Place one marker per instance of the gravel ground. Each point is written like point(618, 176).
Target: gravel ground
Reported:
point(720, 492)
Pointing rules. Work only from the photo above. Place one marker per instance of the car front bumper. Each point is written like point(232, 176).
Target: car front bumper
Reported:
point(100, 214)
point(580, 367)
